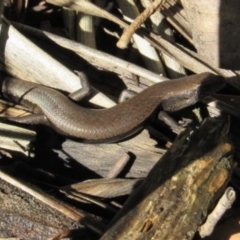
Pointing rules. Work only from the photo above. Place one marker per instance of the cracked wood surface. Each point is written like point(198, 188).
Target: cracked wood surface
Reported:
point(175, 198)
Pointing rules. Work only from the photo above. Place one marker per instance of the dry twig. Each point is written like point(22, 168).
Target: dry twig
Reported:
point(126, 36)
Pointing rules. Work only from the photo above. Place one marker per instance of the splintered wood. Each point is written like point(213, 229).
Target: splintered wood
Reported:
point(177, 194)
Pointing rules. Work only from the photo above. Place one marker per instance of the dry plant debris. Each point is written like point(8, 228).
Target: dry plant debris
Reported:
point(164, 182)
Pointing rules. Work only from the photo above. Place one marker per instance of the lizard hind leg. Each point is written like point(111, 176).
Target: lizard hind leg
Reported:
point(84, 91)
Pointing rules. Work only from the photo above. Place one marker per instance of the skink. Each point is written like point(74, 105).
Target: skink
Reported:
point(107, 125)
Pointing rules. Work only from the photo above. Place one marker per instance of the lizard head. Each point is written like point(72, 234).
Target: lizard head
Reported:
point(189, 90)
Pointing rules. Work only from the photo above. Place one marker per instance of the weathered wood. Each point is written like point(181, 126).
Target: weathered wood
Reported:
point(14, 138)
point(99, 158)
point(100, 60)
point(211, 22)
point(175, 197)
point(29, 213)
point(105, 188)
point(25, 217)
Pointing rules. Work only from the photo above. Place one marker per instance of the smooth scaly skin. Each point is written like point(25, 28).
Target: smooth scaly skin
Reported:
point(118, 122)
